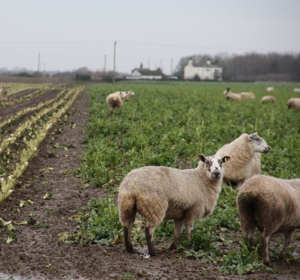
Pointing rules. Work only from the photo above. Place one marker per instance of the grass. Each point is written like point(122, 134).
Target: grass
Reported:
point(170, 124)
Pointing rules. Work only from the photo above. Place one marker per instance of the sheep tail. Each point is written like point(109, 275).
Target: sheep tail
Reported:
point(127, 209)
point(248, 204)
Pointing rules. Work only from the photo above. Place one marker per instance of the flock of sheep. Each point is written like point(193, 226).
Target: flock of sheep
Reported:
point(163, 193)
point(292, 103)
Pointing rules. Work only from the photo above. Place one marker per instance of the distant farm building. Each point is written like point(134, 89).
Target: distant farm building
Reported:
point(145, 74)
point(203, 73)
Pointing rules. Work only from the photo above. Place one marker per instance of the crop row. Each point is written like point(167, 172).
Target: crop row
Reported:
point(27, 110)
point(29, 146)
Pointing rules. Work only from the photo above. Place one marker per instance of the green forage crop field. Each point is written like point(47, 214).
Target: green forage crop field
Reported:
point(170, 124)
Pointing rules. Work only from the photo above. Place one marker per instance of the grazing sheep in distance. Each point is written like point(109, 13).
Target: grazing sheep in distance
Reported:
point(293, 103)
point(238, 96)
point(272, 205)
point(268, 98)
point(159, 192)
point(3, 93)
point(270, 89)
point(115, 100)
point(245, 158)
point(296, 89)
point(247, 95)
point(129, 94)
point(232, 96)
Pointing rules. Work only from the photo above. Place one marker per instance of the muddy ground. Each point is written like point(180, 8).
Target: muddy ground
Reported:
point(36, 252)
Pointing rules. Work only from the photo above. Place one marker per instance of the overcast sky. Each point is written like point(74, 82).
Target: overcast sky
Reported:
point(70, 34)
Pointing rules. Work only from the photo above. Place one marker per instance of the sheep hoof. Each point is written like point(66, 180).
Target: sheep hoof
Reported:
point(173, 247)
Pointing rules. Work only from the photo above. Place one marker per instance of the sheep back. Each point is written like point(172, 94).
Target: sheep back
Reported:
point(165, 193)
point(268, 98)
point(293, 103)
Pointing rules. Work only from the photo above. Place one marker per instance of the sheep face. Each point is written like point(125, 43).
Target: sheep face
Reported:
point(213, 166)
point(260, 145)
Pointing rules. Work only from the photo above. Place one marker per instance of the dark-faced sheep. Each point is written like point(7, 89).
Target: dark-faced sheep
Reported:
point(159, 192)
point(271, 205)
point(245, 153)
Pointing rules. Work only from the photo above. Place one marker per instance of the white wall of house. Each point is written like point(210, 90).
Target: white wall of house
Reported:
point(204, 73)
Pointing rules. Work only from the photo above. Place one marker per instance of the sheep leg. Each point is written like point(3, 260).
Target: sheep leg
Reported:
point(265, 249)
point(287, 241)
point(149, 237)
point(128, 244)
point(178, 227)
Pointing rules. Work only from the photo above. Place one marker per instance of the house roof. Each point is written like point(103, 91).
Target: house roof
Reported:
point(148, 72)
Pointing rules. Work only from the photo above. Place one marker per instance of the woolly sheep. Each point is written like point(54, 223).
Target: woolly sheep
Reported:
point(247, 95)
point(293, 103)
point(296, 89)
point(268, 98)
point(269, 89)
point(3, 93)
point(129, 94)
point(232, 96)
point(115, 100)
point(159, 192)
point(272, 205)
point(245, 153)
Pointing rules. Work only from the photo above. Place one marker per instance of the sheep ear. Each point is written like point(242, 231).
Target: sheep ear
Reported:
point(225, 159)
point(253, 136)
point(202, 158)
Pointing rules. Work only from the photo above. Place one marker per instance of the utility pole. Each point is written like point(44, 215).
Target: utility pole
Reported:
point(148, 63)
point(104, 63)
point(114, 73)
point(171, 65)
point(39, 62)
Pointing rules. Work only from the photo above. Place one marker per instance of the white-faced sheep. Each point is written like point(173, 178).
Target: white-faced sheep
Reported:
point(129, 94)
point(115, 100)
point(268, 99)
point(159, 192)
point(3, 93)
point(245, 153)
point(296, 89)
point(293, 103)
point(270, 89)
point(272, 205)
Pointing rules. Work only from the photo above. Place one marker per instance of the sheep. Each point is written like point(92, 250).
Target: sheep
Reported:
point(129, 94)
point(238, 96)
point(232, 96)
point(3, 93)
point(247, 95)
point(270, 89)
point(268, 98)
point(159, 192)
point(115, 100)
point(245, 153)
point(272, 205)
point(296, 89)
point(293, 103)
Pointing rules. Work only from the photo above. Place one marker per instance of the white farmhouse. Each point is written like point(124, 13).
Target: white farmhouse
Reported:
point(205, 72)
point(145, 74)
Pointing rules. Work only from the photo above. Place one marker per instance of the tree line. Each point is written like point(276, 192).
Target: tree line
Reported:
point(250, 67)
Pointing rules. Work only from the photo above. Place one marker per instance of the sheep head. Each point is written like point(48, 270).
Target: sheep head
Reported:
point(213, 166)
point(260, 145)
